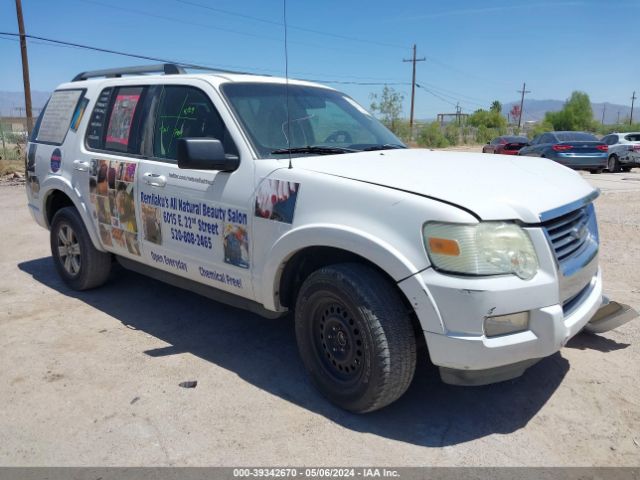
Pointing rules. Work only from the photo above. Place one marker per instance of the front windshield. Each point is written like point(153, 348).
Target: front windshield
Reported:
point(319, 117)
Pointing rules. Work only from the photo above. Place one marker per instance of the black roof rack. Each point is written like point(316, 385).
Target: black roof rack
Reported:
point(166, 68)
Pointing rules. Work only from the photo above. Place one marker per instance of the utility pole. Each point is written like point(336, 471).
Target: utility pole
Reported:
point(458, 112)
point(618, 122)
point(633, 99)
point(413, 84)
point(523, 92)
point(25, 67)
point(604, 109)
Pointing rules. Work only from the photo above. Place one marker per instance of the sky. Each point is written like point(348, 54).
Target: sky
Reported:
point(476, 51)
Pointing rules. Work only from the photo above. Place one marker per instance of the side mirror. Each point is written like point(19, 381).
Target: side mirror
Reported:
point(205, 154)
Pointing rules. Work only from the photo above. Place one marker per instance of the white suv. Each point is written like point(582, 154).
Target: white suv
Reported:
point(279, 196)
point(624, 151)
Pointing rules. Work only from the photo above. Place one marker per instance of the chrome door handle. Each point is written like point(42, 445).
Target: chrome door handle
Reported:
point(81, 166)
point(155, 179)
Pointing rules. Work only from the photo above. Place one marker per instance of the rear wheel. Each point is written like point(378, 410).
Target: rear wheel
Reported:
point(597, 171)
point(355, 337)
point(614, 165)
point(77, 261)
point(626, 169)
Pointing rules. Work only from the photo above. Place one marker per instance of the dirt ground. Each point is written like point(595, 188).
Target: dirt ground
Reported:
point(91, 379)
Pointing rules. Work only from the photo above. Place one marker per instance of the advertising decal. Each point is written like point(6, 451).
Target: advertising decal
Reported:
point(112, 190)
point(276, 200)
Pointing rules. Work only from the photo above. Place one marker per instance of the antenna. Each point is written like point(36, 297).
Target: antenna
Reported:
point(286, 75)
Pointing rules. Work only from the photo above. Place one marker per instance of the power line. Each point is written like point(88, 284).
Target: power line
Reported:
point(113, 52)
point(291, 27)
point(223, 29)
point(184, 64)
point(456, 95)
point(435, 94)
point(204, 66)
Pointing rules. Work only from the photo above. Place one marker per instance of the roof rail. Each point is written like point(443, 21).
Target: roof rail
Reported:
point(166, 68)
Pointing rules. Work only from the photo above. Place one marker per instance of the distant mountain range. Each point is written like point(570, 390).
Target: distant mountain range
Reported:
point(12, 104)
point(534, 110)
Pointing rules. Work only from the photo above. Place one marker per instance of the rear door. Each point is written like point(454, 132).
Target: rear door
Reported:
point(106, 170)
point(194, 223)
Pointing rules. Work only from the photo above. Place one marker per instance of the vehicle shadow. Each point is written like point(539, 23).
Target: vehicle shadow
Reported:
point(263, 352)
point(589, 341)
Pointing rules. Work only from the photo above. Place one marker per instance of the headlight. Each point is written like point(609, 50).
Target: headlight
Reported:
point(487, 248)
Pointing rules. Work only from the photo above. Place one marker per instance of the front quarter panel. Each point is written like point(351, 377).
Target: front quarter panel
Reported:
point(378, 223)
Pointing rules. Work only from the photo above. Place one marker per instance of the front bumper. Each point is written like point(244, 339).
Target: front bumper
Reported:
point(452, 309)
point(549, 330)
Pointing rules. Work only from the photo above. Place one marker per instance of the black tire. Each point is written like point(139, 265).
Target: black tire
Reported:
point(597, 171)
point(613, 165)
point(77, 261)
point(626, 169)
point(355, 337)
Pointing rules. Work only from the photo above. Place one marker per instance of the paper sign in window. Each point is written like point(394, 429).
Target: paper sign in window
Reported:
point(121, 119)
point(57, 116)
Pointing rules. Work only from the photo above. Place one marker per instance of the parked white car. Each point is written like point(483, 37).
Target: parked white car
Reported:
point(624, 151)
point(279, 196)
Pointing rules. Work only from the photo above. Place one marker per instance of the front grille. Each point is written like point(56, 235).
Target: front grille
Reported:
point(571, 233)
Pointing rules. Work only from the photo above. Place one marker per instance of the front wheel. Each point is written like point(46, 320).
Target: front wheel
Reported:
point(77, 261)
point(355, 337)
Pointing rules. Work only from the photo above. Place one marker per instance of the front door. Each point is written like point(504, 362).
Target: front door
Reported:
point(194, 223)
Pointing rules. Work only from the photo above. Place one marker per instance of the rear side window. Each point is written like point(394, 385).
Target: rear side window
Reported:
point(633, 137)
point(56, 119)
point(186, 112)
point(115, 120)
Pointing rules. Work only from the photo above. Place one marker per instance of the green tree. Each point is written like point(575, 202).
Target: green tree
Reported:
point(488, 119)
point(575, 115)
point(388, 105)
point(496, 107)
point(431, 136)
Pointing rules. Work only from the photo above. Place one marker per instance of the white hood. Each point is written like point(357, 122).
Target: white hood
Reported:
point(495, 187)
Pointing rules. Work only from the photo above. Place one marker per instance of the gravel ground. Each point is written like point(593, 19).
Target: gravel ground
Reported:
point(91, 378)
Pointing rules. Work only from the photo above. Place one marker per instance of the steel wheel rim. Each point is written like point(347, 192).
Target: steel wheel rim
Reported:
point(338, 341)
point(69, 250)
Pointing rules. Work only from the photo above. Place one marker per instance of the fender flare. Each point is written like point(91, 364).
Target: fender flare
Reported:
point(62, 184)
point(356, 241)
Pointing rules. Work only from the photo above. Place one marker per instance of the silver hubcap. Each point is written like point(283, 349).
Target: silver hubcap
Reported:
point(69, 250)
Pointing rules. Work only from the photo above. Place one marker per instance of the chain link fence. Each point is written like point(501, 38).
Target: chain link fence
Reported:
point(13, 142)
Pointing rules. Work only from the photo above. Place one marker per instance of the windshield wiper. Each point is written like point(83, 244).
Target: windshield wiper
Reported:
point(385, 146)
point(319, 149)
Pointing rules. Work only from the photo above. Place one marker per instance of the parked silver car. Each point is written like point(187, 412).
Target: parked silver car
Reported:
point(624, 151)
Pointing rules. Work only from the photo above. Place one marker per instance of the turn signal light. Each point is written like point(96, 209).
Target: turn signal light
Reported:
point(444, 246)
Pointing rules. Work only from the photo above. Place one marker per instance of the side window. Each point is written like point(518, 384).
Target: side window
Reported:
point(612, 140)
point(115, 120)
point(546, 138)
point(186, 112)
